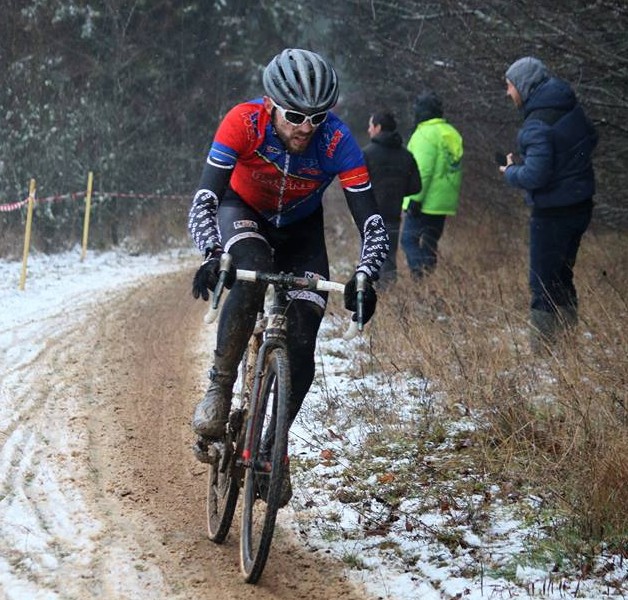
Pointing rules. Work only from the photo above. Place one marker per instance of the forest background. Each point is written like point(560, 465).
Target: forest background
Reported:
point(133, 91)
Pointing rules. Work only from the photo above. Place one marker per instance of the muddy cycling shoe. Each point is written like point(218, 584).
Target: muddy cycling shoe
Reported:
point(212, 412)
point(201, 450)
point(208, 451)
point(286, 488)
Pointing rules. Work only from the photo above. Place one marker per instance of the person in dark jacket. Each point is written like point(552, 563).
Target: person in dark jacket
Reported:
point(555, 169)
point(394, 174)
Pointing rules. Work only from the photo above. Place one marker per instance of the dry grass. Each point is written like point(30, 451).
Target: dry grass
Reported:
point(556, 425)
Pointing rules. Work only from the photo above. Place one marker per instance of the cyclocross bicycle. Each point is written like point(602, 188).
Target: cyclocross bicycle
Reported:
point(254, 453)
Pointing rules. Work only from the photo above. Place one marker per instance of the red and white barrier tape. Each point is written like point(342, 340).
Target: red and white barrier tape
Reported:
point(75, 195)
point(12, 206)
point(141, 196)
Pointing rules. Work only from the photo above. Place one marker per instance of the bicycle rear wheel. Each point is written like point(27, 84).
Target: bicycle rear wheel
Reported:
point(267, 432)
point(225, 476)
point(222, 493)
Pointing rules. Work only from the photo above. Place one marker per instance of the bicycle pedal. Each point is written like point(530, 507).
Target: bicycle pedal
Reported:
point(208, 452)
point(215, 451)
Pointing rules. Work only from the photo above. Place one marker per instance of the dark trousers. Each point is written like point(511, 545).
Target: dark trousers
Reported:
point(419, 240)
point(254, 244)
point(554, 244)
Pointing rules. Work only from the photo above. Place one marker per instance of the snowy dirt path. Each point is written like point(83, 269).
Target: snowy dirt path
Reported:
point(100, 496)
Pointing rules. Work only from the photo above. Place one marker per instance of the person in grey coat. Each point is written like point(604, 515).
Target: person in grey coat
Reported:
point(555, 168)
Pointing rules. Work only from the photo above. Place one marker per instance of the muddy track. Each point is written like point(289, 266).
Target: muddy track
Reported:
point(142, 357)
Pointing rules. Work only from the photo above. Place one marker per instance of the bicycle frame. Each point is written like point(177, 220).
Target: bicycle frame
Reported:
point(259, 423)
point(272, 334)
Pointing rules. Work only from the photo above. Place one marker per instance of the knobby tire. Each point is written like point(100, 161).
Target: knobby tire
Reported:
point(269, 420)
point(225, 477)
point(222, 495)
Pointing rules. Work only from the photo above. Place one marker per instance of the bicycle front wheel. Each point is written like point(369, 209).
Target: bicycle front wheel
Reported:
point(267, 440)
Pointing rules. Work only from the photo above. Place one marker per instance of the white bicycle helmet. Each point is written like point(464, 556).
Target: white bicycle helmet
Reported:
point(301, 80)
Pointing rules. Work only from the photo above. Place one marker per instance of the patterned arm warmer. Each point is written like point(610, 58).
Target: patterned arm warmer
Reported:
point(202, 222)
point(203, 218)
point(375, 247)
point(375, 242)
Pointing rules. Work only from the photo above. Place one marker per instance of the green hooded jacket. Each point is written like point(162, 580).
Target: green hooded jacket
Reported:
point(437, 148)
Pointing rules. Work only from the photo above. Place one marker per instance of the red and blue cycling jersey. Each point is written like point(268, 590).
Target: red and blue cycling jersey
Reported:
point(284, 187)
point(248, 156)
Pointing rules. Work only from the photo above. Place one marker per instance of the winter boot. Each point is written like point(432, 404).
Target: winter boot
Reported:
point(543, 328)
point(264, 468)
point(212, 411)
point(568, 316)
point(265, 459)
point(286, 487)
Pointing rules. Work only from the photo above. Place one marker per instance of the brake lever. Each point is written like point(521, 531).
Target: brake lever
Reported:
point(360, 286)
point(223, 270)
point(225, 265)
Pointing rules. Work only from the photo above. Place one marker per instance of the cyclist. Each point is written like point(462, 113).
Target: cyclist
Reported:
point(260, 200)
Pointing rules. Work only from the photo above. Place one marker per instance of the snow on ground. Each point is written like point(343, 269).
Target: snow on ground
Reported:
point(401, 552)
point(45, 524)
point(412, 548)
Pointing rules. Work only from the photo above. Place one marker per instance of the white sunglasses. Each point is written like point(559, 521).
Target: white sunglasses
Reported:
point(297, 118)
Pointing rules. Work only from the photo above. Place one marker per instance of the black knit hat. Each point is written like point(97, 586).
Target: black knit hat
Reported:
point(427, 106)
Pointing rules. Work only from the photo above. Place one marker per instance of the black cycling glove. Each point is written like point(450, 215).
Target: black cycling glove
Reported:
point(351, 299)
point(207, 275)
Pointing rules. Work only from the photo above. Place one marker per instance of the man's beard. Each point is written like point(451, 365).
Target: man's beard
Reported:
point(292, 145)
point(296, 145)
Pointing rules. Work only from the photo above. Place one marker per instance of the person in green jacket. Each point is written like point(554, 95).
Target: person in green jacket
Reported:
point(437, 148)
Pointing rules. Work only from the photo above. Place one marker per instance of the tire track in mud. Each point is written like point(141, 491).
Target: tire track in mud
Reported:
point(148, 359)
point(50, 542)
